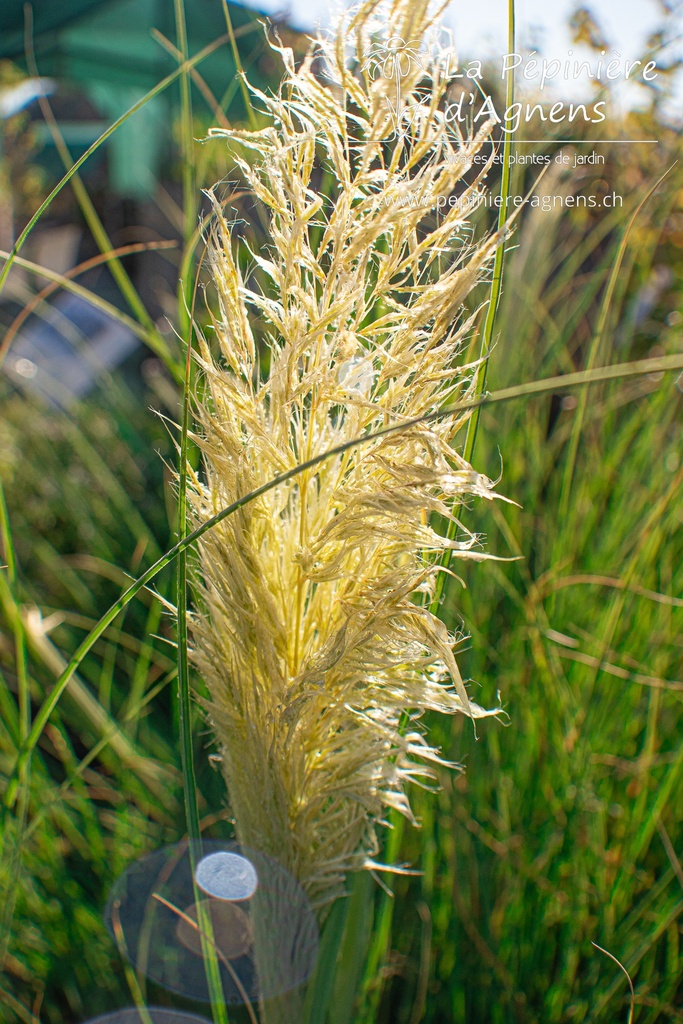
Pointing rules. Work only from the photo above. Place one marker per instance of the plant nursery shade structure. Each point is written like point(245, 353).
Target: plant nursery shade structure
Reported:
point(111, 52)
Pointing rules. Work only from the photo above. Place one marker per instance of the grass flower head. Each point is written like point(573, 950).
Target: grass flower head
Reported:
point(313, 631)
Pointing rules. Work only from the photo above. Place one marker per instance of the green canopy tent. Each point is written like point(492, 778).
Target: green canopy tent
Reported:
point(108, 50)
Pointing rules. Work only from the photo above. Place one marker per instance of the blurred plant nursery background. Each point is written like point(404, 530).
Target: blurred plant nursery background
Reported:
point(565, 827)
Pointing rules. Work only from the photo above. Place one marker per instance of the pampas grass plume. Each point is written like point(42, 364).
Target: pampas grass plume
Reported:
point(312, 629)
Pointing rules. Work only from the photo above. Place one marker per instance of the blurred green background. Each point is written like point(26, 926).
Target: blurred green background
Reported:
point(565, 829)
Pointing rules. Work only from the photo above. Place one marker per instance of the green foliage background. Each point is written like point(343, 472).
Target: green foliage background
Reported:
point(564, 828)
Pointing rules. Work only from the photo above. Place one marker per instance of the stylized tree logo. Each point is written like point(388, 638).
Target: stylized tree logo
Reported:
point(394, 59)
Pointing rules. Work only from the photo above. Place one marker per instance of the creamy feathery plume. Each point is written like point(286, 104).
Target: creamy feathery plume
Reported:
point(312, 630)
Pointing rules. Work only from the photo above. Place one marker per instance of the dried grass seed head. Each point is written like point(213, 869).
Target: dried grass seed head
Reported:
point(308, 632)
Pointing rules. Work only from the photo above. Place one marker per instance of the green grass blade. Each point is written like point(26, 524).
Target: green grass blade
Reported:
point(353, 949)
point(238, 64)
point(497, 281)
point(381, 937)
point(491, 313)
point(319, 993)
point(13, 850)
point(184, 698)
point(185, 317)
point(186, 133)
point(19, 633)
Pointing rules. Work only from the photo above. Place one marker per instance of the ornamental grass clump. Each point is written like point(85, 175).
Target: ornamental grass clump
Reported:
point(313, 631)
